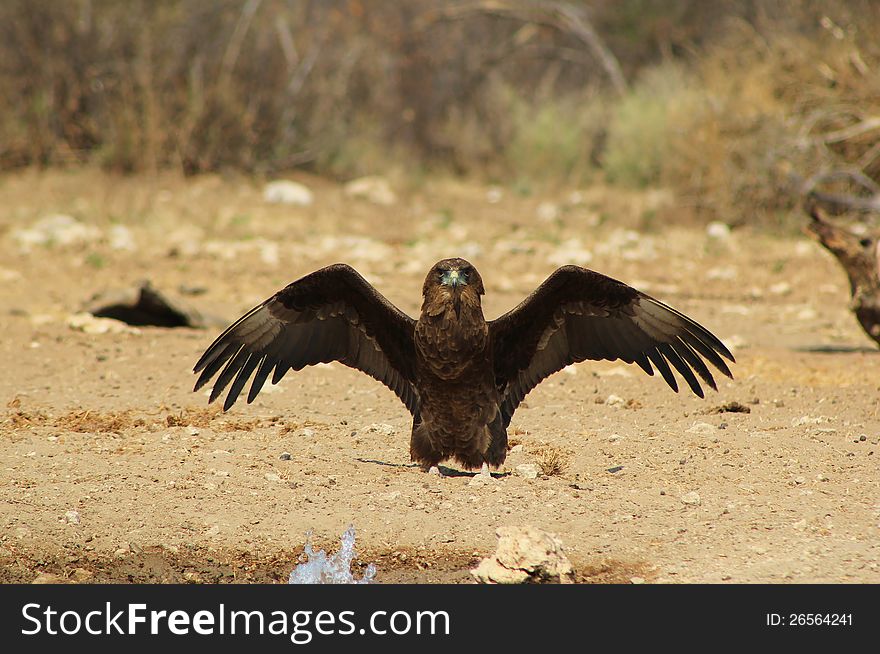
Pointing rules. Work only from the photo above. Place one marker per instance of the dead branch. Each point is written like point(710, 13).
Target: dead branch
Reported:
point(560, 16)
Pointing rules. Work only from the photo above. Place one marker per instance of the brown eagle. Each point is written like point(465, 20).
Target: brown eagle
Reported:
point(460, 376)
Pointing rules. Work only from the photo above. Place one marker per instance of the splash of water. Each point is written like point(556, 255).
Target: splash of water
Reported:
point(318, 568)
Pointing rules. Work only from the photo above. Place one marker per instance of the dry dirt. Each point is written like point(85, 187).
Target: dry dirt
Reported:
point(651, 485)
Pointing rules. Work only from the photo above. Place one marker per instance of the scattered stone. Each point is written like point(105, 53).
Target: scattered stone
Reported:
point(718, 230)
point(570, 251)
point(71, 517)
point(283, 191)
point(285, 456)
point(306, 432)
point(516, 449)
point(48, 578)
point(381, 428)
point(692, 498)
point(800, 480)
point(525, 555)
point(722, 273)
point(780, 288)
point(374, 188)
point(494, 195)
point(122, 238)
point(702, 428)
point(81, 575)
point(528, 470)
point(807, 314)
point(615, 469)
point(58, 229)
point(272, 476)
point(482, 480)
point(89, 324)
point(615, 400)
point(637, 580)
point(547, 212)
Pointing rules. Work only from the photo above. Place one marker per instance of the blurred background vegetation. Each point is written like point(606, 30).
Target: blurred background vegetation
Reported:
point(731, 104)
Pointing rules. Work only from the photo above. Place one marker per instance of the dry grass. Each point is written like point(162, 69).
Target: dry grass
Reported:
point(96, 422)
point(552, 459)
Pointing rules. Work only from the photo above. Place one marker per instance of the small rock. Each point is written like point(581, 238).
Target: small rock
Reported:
point(285, 456)
point(283, 191)
point(780, 288)
point(570, 251)
point(615, 400)
point(528, 470)
point(722, 273)
point(381, 428)
point(494, 195)
point(702, 428)
point(482, 480)
point(374, 188)
point(525, 554)
point(306, 432)
point(547, 212)
point(122, 238)
point(516, 449)
point(81, 575)
point(71, 517)
point(47, 578)
point(636, 580)
point(718, 230)
point(86, 322)
point(58, 229)
point(272, 476)
point(692, 498)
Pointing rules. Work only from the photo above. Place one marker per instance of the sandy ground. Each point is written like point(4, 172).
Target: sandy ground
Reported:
point(112, 470)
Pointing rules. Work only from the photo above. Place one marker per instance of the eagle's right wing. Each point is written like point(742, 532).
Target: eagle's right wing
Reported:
point(332, 314)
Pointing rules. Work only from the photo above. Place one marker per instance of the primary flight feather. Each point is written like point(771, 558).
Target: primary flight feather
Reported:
point(460, 376)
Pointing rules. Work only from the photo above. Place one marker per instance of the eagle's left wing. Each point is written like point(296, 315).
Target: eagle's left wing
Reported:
point(579, 314)
point(332, 314)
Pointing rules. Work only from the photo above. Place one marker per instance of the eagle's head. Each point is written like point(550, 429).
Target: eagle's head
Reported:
point(453, 280)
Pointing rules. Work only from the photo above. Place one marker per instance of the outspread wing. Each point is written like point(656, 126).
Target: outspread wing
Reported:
point(332, 314)
point(579, 314)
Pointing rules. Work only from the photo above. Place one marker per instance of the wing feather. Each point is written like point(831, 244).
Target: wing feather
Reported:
point(333, 314)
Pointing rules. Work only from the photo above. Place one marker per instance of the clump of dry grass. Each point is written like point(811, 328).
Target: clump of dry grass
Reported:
point(552, 459)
